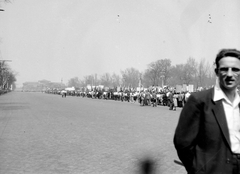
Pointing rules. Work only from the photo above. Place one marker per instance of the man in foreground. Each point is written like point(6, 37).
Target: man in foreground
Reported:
point(207, 137)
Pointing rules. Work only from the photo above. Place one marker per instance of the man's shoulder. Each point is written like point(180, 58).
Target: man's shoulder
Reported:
point(205, 94)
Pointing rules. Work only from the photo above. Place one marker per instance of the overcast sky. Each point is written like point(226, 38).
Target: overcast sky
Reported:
point(62, 39)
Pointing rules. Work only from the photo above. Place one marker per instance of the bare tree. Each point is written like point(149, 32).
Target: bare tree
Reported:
point(166, 67)
point(176, 75)
point(158, 71)
point(202, 72)
point(7, 76)
point(106, 80)
point(211, 76)
point(88, 80)
point(190, 71)
point(153, 73)
point(148, 78)
point(12, 79)
point(75, 82)
point(116, 80)
point(130, 77)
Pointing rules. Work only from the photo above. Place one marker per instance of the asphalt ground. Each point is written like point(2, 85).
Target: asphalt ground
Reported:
point(47, 134)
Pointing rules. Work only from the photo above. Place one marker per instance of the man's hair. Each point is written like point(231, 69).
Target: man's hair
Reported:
point(225, 53)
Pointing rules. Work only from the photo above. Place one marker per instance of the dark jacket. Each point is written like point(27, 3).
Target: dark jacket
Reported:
point(202, 138)
point(170, 97)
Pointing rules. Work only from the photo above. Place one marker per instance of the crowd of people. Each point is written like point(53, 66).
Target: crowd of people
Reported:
point(145, 97)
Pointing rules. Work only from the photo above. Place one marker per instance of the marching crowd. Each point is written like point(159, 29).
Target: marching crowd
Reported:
point(148, 97)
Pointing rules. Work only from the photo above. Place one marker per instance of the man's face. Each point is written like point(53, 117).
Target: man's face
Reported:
point(228, 73)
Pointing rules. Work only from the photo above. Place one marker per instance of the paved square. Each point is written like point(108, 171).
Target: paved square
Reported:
point(47, 134)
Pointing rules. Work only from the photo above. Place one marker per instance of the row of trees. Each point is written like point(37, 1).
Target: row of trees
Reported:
point(158, 73)
point(7, 76)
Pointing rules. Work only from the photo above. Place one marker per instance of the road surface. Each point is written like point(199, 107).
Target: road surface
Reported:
point(47, 134)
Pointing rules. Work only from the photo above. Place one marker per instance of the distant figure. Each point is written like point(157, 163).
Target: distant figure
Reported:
point(175, 103)
point(180, 100)
point(170, 100)
point(64, 93)
point(154, 99)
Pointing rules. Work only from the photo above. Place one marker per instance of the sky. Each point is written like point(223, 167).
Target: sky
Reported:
point(60, 39)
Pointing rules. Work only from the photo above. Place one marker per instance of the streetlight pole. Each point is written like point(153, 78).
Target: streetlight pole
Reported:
point(162, 76)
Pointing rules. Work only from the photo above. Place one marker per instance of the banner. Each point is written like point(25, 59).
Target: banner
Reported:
point(89, 87)
point(190, 88)
point(184, 88)
point(178, 88)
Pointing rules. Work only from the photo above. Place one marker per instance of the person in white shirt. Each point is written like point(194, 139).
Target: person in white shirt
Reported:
point(207, 137)
point(187, 94)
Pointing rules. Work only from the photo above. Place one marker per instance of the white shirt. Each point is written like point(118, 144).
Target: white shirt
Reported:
point(187, 95)
point(231, 110)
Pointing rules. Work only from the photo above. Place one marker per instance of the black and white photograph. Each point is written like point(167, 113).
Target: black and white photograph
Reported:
point(119, 86)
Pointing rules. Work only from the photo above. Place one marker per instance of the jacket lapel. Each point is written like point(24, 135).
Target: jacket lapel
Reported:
point(221, 119)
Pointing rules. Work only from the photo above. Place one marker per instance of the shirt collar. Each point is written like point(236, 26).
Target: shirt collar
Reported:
point(219, 94)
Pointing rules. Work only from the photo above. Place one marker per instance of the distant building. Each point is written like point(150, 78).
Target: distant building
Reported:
point(32, 87)
point(41, 85)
